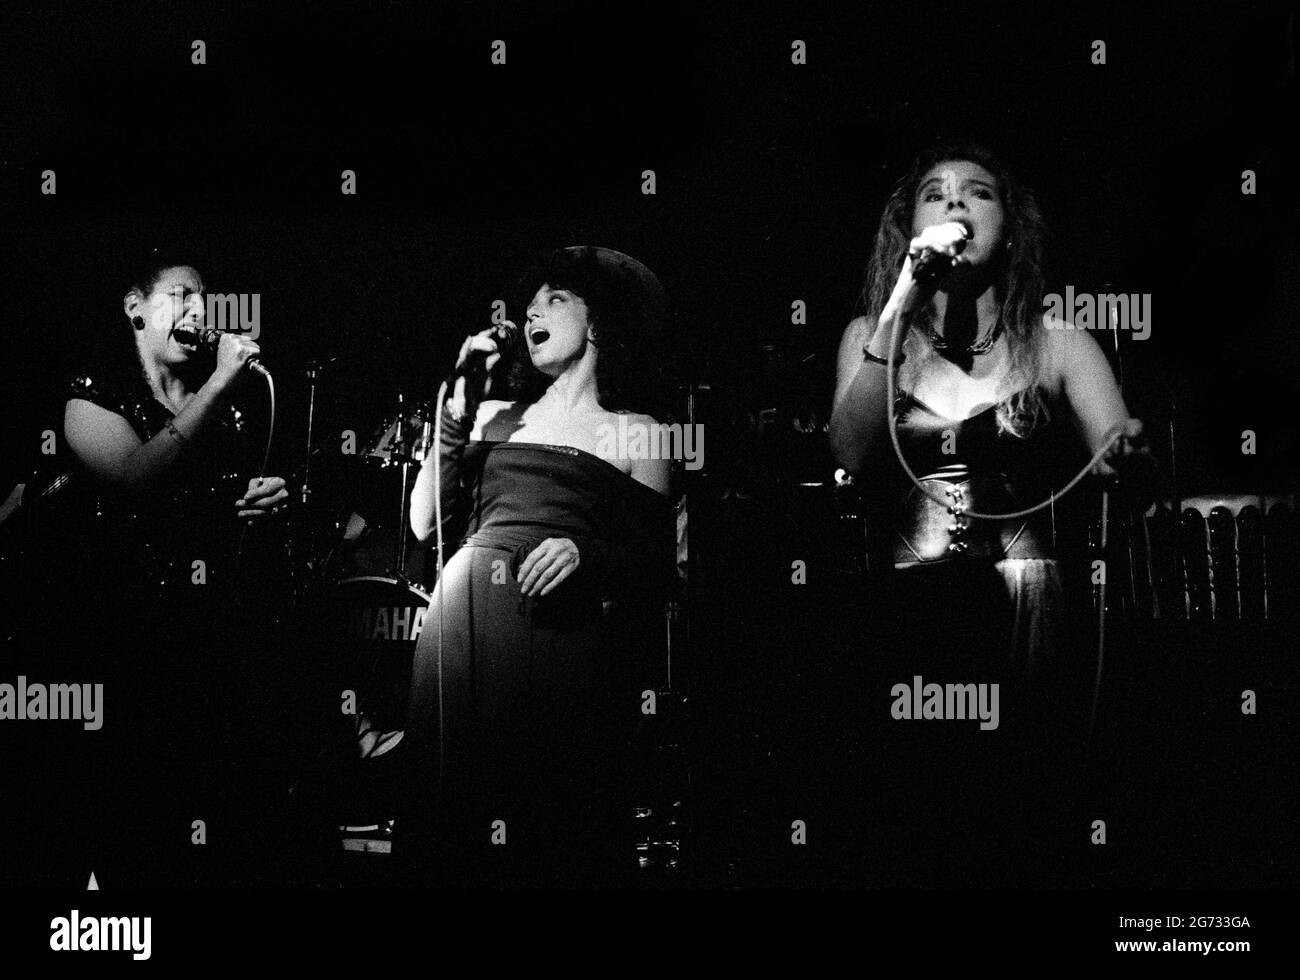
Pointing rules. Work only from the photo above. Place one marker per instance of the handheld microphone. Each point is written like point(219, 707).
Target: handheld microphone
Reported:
point(930, 265)
point(507, 336)
point(210, 338)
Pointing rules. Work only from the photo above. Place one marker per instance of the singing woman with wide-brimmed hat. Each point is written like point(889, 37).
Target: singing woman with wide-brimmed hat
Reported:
point(520, 695)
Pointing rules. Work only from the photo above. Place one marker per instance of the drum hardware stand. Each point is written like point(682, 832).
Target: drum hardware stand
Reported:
point(313, 372)
point(314, 368)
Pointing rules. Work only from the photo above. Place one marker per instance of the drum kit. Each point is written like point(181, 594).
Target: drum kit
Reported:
point(366, 585)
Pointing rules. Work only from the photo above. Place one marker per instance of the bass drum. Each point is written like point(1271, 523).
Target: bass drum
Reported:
point(374, 623)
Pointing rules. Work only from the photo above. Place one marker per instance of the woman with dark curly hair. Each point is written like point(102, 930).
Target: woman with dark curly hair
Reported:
point(160, 489)
point(954, 297)
point(517, 688)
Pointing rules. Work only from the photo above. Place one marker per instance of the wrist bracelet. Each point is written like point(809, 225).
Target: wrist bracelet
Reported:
point(181, 439)
point(880, 360)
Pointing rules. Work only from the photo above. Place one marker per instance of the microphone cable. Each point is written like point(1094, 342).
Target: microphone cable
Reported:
point(1112, 434)
point(1115, 432)
point(440, 586)
point(261, 476)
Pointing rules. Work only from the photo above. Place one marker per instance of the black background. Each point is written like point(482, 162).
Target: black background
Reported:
point(770, 176)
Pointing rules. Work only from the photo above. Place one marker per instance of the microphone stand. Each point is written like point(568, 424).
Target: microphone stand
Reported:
point(1101, 611)
point(403, 513)
point(313, 376)
point(1103, 542)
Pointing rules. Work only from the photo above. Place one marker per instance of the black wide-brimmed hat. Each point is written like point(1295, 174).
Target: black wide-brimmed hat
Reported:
point(630, 272)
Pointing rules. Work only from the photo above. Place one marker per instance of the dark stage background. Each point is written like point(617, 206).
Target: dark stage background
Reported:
point(770, 180)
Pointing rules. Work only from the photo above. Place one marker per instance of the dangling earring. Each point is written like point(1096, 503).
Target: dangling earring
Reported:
point(137, 322)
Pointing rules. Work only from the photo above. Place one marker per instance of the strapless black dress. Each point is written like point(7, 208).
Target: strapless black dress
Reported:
point(522, 704)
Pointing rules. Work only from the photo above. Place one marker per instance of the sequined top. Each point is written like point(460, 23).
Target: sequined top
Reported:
point(152, 539)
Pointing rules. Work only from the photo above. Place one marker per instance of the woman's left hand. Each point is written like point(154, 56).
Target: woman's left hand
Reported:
point(1130, 443)
point(264, 496)
point(547, 565)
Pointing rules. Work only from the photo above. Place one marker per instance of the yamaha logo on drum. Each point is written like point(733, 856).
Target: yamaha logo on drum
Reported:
point(388, 622)
point(381, 608)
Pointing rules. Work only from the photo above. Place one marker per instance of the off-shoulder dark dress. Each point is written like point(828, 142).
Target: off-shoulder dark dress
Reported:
point(525, 703)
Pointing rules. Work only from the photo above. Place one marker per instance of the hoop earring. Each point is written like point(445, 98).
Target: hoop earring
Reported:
point(137, 322)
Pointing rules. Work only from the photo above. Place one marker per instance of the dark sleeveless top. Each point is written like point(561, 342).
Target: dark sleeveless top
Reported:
point(974, 466)
point(518, 494)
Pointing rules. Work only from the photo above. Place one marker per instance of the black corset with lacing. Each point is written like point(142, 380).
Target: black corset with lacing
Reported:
point(969, 465)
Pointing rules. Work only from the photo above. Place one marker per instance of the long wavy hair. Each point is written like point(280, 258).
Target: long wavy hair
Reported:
point(625, 324)
point(1019, 282)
